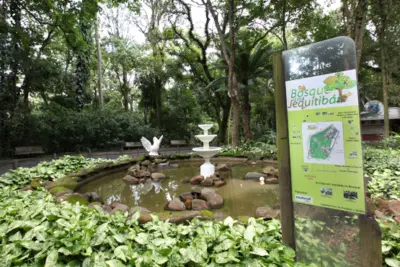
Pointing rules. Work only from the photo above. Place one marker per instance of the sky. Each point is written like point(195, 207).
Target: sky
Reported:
point(131, 31)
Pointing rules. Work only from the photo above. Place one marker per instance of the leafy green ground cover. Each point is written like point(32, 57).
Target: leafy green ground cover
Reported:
point(46, 171)
point(35, 231)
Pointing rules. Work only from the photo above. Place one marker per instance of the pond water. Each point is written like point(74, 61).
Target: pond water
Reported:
point(241, 197)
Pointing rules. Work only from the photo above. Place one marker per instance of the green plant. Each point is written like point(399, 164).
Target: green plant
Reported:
point(390, 242)
point(54, 170)
point(312, 249)
point(385, 185)
point(35, 231)
point(251, 149)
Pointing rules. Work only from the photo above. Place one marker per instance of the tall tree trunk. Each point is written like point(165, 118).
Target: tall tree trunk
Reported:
point(359, 28)
point(125, 89)
point(384, 10)
point(158, 86)
point(99, 65)
point(385, 88)
point(234, 86)
point(223, 124)
point(13, 77)
point(355, 17)
point(246, 110)
point(284, 40)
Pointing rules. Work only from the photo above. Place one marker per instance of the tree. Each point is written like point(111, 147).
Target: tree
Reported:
point(229, 56)
point(195, 53)
point(355, 20)
point(99, 63)
point(339, 82)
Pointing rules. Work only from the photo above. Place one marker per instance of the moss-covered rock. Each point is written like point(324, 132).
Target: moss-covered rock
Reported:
point(207, 214)
point(60, 190)
point(70, 182)
point(35, 183)
point(76, 198)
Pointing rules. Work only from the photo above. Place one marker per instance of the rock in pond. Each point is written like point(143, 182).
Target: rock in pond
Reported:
point(208, 182)
point(222, 168)
point(93, 197)
point(197, 179)
point(266, 213)
point(174, 165)
point(271, 181)
point(186, 195)
point(145, 163)
point(158, 176)
point(214, 200)
point(269, 170)
point(107, 208)
point(198, 204)
point(176, 205)
point(179, 216)
point(254, 176)
point(130, 180)
point(219, 183)
point(118, 207)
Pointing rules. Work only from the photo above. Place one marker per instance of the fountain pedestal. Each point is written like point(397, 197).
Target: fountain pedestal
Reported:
point(206, 152)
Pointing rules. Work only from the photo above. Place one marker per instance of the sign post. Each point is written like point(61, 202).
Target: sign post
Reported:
point(319, 138)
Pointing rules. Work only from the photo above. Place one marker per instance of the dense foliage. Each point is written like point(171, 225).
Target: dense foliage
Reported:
point(35, 232)
point(46, 171)
point(382, 166)
point(390, 242)
point(63, 130)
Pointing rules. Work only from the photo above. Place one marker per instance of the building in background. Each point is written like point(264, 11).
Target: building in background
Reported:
point(372, 127)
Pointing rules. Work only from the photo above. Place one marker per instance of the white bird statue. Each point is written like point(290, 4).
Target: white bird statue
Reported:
point(151, 148)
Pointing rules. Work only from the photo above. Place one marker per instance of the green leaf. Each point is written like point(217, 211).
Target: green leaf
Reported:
point(120, 252)
point(115, 263)
point(120, 238)
point(392, 262)
point(250, 233)
point(51, 259)
point(141, 238)
point(259, 251)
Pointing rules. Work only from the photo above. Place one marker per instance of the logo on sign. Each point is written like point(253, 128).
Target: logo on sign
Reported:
point(305, 199)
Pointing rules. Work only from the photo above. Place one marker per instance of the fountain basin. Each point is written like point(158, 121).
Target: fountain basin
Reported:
point(206, 138)
point(206, 152)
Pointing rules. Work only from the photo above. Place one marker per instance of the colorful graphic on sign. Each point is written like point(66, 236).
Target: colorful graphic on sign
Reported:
point(325, 141)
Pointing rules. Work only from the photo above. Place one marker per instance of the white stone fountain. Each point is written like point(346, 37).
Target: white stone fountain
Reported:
point(206, 152)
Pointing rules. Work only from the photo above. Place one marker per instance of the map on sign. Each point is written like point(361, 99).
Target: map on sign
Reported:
point(323, 143)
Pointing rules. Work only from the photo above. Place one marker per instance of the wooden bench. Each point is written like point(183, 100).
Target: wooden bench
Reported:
point(132, 145)
point(28, 150)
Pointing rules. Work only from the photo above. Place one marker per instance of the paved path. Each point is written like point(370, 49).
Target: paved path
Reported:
point(6, 165)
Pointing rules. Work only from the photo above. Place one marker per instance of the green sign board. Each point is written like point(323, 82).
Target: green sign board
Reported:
point(325, 141)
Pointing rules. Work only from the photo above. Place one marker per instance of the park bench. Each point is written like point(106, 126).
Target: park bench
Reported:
point(28, 150)
point(132, 145)
point(178, 143)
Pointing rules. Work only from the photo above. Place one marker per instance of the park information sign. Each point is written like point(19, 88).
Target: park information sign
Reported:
point(325, 141)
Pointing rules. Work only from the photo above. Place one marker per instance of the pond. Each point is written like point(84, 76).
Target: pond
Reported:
point(241, 197)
